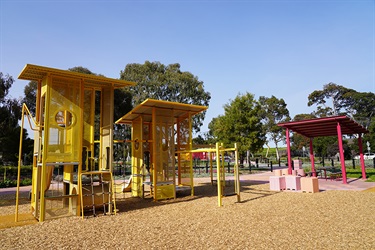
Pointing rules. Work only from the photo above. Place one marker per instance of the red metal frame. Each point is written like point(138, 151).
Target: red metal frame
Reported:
point(326, 126)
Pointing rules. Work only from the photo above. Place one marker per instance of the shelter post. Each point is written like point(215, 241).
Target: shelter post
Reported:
point(361, 157)
point(342, 160)
point(312, 157)
point(289, 154)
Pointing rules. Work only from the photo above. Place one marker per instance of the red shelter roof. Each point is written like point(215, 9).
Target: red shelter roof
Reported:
point(326, 126)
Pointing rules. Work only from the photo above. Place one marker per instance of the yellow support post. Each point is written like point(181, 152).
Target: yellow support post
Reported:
point(44, 154)
point(155, 156)
point(237, 174)
point(211, 167)
point(191, 155)
point(19, 163)
point(218, 174)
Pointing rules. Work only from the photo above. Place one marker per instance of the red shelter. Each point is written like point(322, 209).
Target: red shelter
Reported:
point(327, 126)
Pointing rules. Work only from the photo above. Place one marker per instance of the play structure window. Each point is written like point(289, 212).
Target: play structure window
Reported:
point(64, 119)
point(136, 144)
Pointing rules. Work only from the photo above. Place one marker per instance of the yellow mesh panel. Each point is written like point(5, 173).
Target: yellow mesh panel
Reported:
point(165, 164)
point(185, 168)
point(64, 127)
point(183, 137)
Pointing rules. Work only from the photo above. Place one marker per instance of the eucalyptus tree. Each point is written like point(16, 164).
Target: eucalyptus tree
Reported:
point(166, 82)
point(345, 101)
point(331, 92)
point(272, 112)
point(299, 141)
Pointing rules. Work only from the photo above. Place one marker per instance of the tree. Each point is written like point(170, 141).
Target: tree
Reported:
point(272, 112)
point(360, 105)
point(370, 137)
point(83, 70)
point(357, 105)
point(157, 81)
point(30, 96)
point(10, 113)
point(241, 124)
point(331, 91)
point(299, 141)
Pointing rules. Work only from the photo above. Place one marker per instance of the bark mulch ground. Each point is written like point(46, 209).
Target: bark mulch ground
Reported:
point(262, 220)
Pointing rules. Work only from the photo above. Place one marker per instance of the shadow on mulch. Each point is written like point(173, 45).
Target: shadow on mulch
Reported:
point(203, 190)
point(10, 199)
point(135, 203)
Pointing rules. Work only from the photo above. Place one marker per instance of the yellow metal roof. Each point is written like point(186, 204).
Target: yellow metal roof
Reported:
point(34, 73)
point(165, 108)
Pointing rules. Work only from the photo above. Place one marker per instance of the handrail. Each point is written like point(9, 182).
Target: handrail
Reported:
point(28, 114)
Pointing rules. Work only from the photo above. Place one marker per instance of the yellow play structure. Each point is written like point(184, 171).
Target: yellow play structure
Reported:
point(162, 149)
point(74, 112)
point(156, 126)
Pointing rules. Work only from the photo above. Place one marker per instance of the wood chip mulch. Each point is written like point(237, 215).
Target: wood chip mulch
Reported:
point(263, 220)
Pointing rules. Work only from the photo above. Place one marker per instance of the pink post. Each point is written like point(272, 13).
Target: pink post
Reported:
point(362, 160)
point(289, 154)
point(312, 157)
point(343, 170)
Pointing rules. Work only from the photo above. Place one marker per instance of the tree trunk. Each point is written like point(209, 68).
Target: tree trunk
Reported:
point(277, 151)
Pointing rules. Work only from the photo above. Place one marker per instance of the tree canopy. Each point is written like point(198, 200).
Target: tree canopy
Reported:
point(30, 96)
point(166, 82)
point(345, 101)
point(331, 92)
point(272, 112)
point(240, 123)
point(10, 113)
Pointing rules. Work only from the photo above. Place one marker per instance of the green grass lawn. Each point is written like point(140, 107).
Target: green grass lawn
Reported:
point(357, 173)
point(354, 172)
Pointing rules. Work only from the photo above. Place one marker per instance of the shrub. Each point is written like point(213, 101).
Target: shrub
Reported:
point(13, 183)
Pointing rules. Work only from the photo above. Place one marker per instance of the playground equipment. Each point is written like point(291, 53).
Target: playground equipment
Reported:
point(73, 134)
point(68, 106)
point(156, 126)
point(161, 142)
point(124, 186)
point(219, 151)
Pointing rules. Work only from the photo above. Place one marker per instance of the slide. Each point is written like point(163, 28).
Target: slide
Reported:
point(125, 186)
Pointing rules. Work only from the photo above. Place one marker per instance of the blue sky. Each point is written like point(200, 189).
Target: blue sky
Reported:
point(285, 48)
